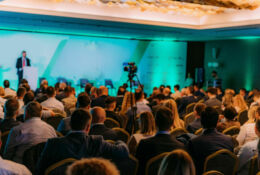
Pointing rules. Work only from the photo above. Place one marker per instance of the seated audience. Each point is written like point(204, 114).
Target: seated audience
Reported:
point(147, 129)
point(239, 103)
point(177, 93)
point(128, 101)
point(198, 92)
point(247, 130)
point(110, 110)
point(88, 87)
point(94, 93)
point(93, 166)
point(42, 89)
point(60, 94)
point(83, 102)
point(227, 99)
point(177, 122)
point(8, 167)
point(177, 162)
point(70, 101)
point(210, 141)
point(185, 101)
point(219, 94)
point(98, 127)
point(161, 142)
point(157, 102)
point(28, 134)
point(52, 102)
point(229, 120)
point(167, 93)
point(212, 101)
point(20, 95)
point(8, 90)
point(247, 151)
point(243, 93)
point(196, 124)
point(11, 111)
point(100, 100)
point(256, 98)
point(78, 144)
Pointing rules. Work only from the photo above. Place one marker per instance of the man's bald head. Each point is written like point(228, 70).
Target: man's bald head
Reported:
point(103, 90)
point(98, 115)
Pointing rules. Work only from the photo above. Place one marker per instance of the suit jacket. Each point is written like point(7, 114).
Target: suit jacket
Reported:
point(8, 124)
point(153, 146)
point(78, 145)
point(101, 129)
point(209, 142)
point(100, 101)
point(213, 102)
point(185, 101)
point(19, 63)
point(194, 126)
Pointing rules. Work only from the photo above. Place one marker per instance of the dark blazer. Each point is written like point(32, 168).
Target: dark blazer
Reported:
point(115, 116)
point(101, 129)
point(19, 63)
point(209, 142)
point(185, 101)
point(154, 146)
point(8, 124)
point(78, 145)
point(194, 126)
point(100, 101)
point(213, 102)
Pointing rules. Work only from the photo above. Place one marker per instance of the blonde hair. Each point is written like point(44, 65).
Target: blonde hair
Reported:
point(177, 122)
point(127, 102)
point(227, 100)
point(252, 113)
point(147, 123)
point(2, 91)
point(177, 162)
point(93, 166)
point(240, 102)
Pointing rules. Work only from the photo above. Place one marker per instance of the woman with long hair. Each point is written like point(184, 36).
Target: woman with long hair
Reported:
point(129, 98)
point(239, 103)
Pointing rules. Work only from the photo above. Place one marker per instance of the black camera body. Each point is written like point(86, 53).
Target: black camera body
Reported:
point(131, 68)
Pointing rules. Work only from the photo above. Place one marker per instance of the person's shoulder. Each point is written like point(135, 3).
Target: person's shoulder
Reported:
point(15, 168)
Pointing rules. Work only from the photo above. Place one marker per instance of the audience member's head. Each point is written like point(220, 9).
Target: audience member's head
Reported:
point(2, 92)
point(159, 98)
point(6, 84)
point(83, 101)
point(98, 115)
point(166, 91)
point(209, 118)
point(50, 91)
point(110, 103)
point(198, 108)
point(252, 113)
point(68, 91)
point(176, 87)
point(11, 108)
point(139, 95)
point(28, 97)
point(81, 120)
point(171, 104)
point(62, 86)
point(92, 166)
point(257, 97)
point(21, 92)
point(121, 91)
point(33, 109)
point(230, 113)
point(26, 86)
point(128, 99)
point(242, 92)
point(88, 88)
point(190, 90)
point(164, 119)
point(177, 162)
point(239, 103)
point(103, 91)
point(212, 92)
point(24, 81)
point(147, 123)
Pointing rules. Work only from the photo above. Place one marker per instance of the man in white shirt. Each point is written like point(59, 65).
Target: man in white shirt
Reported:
point(177, 93)
point(32, 132)
point(52, 102)
point(8, 91)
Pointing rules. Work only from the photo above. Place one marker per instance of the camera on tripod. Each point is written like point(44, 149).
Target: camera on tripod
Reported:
point(130, 67)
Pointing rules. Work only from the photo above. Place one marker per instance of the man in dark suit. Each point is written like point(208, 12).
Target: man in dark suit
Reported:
point(98, 127)
point(100, 101)
point(210, 141)
point(213, 101)
point(110, 111)
point(78, 144)
point(22, 62)
point(161, 142)
point(185, 101)
point(196, 124)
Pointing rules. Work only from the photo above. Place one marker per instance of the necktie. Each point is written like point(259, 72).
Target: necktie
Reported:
point(23, 62)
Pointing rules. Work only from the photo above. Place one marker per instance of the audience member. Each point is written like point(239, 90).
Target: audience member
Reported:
point(212, 101)
point(227, 99)
point(197, 92)
point(52, 102)
point(210, 141)
point(229, 120)
point(98, 127)
point(167, 93)
point(161, 142)
point(185, 101)
point(100, 100)
point(8, 90)
point(110, 110)
point(239, 103)
point(256, 98)
point(88, 88)
point(28, 134)
point(128, 101)
point(196, 124)
point(177, 93)
point(60, 89)
point(20, 95)
point(70, 101)
point(93, 166)
point(94, 93)
point(242, 92)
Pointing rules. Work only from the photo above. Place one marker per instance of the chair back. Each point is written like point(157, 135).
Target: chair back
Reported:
point(135, 163)
point(31, 156)
point(189, 118)
point(178, 131)
point(111, 123)
point(59, 167)
point(243, 117)
point(253, 165)
point(190, 107)
point(199, 131)
point(223, 161)
point(54, 121)
point(153, 165)
point(213, 172)
point(122, 134)
point(59, 134)
point(234, 130)
point(4, 138)
point(83, 82)
point(108, 82)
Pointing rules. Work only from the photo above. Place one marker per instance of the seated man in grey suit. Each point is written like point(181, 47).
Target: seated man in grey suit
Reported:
point(28, 134)
point(212, 101)
point(78, 144)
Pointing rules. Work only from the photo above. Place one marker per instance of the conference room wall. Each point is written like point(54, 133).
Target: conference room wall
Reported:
point(95, 58)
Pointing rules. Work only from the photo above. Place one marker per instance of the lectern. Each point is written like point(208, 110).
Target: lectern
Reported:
point(31, 75)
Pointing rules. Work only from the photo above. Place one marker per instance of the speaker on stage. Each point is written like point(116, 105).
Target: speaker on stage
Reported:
point(199, 75)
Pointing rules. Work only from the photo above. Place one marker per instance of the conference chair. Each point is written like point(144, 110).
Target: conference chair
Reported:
point(4, 139)
point(135, 163)
point(59, 167)
point(109, 84)
point(83, 82)
point(223, 161)
point(59, 134)
point(189, 118)
point(190, 107)
point(54, 121)
point(178, 131)
point(243, 117)
point(199, 131)
point(110, 141)
point(122, 134)
point(213, 172)
point(154, 163)
point(31, 156)
point(253, 165)
point(233, 130)
point(111, 123)
point(258, 173)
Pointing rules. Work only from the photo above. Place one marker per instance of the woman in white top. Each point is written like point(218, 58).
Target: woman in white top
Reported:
point(239, 103)
point(247, 131)
point(147, 129)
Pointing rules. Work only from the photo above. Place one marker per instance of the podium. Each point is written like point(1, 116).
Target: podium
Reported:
point(31, 75)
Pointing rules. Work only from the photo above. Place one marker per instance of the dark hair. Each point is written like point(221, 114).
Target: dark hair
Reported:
point(209, 118)
point(83, 100)
point(199, 107)
point(230, 113)
point(214, 72)
point(168, 86)
point(34, 109)
point(11, 107)
point(24, 81)
point(138, 94)
point(88, 88)
point(23, 51)
point(79, 119)
point(177, 86)
point(243, 89)
point(191, 89)
point(26, 86)
point(28, 97)
point(6, 84)
point(57, 86)
point(68, 89)
point(21, 91)
point(257, 125)
point(50, 91)
point(119, 92)
point(160, 97)
point(212, 90)
point(164, 118)
point(109, 101)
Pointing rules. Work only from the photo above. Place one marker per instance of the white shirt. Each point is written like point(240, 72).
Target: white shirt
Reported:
point(53, 103)
point(8, 167)
point(246, 134)
point(1, 112)
point(21, 105)
point(177, 94)
point(10, 92)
